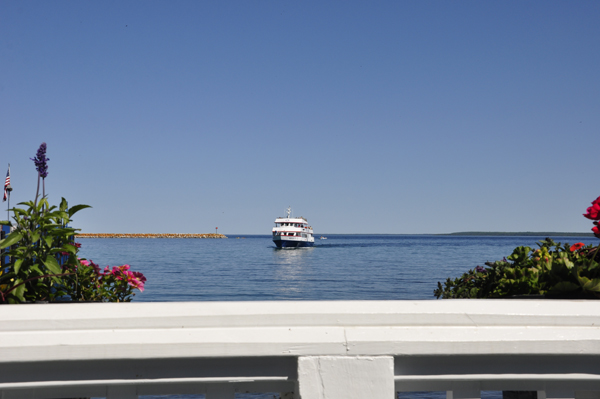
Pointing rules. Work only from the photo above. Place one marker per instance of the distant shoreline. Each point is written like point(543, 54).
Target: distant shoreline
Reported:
point(462, 233)
point(166, 235)
point(521, 233)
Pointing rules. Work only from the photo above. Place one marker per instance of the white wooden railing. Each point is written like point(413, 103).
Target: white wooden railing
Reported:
point(308, 350)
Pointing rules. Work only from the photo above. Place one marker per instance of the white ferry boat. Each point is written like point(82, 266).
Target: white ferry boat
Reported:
point(291, 232)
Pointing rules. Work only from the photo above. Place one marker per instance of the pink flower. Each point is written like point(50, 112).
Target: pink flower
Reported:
point(596, 231)
point(140, 276)
point(96, 268)
point(90, 263)
point(135, 279)
point(120, 271)
point(577, 247)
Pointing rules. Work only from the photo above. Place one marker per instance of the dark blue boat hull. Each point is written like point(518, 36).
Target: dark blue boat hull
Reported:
point(292, 244)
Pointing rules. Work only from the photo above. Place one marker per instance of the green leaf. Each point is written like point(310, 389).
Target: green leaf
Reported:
point(564, 286)
point(67, 248)
point(19, 292)
point(36, 269)
point(12, 238)
point(5, 222)
point(590, 285)
point(77, 208)
point(63, 204)
point(52, 264)
point(18, 264)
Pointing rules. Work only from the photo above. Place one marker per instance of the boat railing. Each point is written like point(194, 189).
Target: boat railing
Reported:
point(305, 349)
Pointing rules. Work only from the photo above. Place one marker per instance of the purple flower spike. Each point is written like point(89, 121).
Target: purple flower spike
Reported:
point(40, 161)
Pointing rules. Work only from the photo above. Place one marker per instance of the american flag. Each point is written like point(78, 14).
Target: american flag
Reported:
point(6, 184)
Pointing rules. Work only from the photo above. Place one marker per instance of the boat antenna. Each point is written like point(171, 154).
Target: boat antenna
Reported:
point(289, 210)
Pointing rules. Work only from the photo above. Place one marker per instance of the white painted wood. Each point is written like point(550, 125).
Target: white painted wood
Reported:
point(47, 350)
point(147, 330)
point(139, 315)
point(341, 377)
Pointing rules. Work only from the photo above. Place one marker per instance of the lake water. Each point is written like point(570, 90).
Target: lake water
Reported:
point(348, 267)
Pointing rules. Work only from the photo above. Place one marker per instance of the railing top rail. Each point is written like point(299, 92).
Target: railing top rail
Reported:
point(444, 313)
point(229, 329)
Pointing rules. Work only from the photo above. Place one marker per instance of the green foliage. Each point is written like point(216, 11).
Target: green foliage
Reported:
point(44, 264)
point(552, 270)
point(41, 237)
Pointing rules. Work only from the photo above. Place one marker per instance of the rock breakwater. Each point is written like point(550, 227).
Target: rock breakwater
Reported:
point(166, 235)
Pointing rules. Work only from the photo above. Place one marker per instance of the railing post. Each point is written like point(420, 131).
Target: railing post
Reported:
point(345, 377)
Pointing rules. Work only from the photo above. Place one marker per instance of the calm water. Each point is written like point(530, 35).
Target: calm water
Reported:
point(341, 267)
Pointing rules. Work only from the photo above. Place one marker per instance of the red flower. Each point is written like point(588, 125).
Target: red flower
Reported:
point(596, 231)
point(577, 247)
point(593, 212)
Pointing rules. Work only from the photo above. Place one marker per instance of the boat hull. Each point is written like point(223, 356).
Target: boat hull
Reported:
point(293, 244)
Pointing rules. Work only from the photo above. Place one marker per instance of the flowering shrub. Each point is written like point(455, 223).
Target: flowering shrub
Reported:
point(91, 283)
point(552, 270)
point(44, 265)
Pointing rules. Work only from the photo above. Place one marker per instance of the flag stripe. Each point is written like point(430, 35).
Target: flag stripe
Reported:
point(6, 184)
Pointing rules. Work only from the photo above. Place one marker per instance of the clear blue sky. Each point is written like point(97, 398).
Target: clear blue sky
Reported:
point(365, 117)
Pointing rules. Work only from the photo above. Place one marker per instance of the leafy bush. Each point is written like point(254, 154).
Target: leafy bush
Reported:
point(552, 270)
point(39, 239)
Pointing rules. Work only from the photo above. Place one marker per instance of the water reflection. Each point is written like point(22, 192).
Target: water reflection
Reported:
point(291, 255)
point(291, 266)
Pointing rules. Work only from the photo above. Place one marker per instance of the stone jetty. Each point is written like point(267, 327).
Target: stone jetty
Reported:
point(165, 235)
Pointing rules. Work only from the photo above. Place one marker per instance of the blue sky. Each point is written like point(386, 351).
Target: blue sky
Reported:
point(365, 117)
